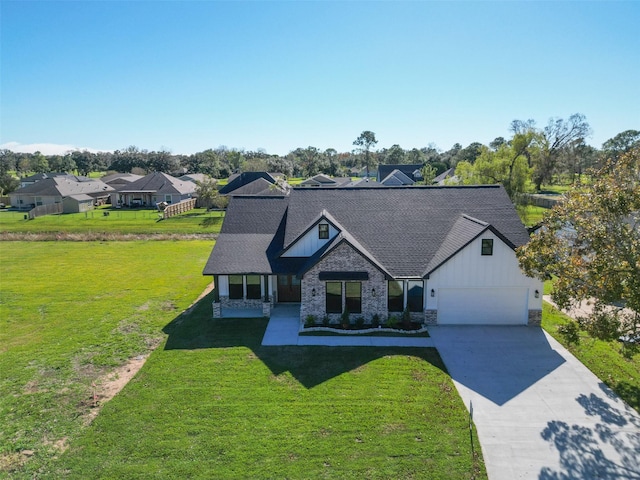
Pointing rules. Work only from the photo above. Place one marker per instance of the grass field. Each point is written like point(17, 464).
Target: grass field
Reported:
point(70, 312)
point(123, 221)
point(210, 402)
point(213, 403)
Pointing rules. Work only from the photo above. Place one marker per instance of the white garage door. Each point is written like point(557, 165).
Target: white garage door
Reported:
point(482, 306)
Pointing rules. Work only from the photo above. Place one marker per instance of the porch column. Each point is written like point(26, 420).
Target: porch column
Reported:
point(216, 291)
point(266, 288)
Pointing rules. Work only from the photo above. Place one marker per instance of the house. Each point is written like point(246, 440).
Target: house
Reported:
point(449, 175)
point(240, 180)
point(54, 189)
point(152, 189)
point(413, 171)
point(396, 178)
point(117, 180)
point(444, 253)
point(40, 176)
point(322, 180)
point(195, 177)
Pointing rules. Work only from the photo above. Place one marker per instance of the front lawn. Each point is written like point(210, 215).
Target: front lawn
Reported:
point(213, 403)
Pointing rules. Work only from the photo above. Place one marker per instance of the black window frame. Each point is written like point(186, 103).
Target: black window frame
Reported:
point(333, 301)
point(415, 303)
point(236, 290)
point(353, 303)
point(254, 290)
point(323, 231)
point(487, 246)
point(395, 303)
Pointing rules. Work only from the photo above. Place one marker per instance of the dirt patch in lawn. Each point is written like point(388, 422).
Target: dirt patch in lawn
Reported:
point(107, 386)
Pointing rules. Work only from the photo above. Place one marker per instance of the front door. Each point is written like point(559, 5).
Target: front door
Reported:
point(288, 289)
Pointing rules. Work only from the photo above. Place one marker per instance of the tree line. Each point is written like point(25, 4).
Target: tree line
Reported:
point(557, 151)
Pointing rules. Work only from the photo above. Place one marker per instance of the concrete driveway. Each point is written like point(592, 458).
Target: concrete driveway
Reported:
point(539, 413)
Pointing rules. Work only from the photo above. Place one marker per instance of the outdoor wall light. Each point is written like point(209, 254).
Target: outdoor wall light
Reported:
point(433, 292)
point(373, 292)
point(313, 292)
point(537, 294)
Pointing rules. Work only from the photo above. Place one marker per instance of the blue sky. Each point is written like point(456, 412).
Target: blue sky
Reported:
point(187, 76)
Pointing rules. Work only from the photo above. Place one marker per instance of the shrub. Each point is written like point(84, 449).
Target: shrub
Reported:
point(326, 321)
point(375, 320)
point(392, 321)
point(570, 332)
point(310, 321)
point(345, 317)
point(359, 321)
point(406, 317)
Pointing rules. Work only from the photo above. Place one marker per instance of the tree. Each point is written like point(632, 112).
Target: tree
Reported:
point(365, 141)
point(591, 243)
point(207, 193)
point(429, 172)
point(621, 143)
point(39, 163)
point(558, 135)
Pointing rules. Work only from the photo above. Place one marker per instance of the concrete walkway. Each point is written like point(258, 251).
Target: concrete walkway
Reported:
point(539, 412)
point(284, 325)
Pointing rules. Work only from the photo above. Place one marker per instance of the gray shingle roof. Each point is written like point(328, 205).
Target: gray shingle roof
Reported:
point(404, 229)
point(160, 183)
point(385, 170)
point(65, 186)
point(245, 178)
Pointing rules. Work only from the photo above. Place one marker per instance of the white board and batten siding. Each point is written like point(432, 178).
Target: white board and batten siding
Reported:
point(471, 288)
point(309, 243)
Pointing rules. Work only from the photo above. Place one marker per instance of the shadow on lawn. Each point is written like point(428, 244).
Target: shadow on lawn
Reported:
point(311, 366)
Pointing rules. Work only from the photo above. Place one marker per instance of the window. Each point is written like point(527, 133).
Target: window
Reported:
point(253, 286)
point(167, 198)
point(415, 295)
point(235, 287)
point(395, 296)
point(487, 246)
point(353, 296)
point(323, 231)
point(334, 297)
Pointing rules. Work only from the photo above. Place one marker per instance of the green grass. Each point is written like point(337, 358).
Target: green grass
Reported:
point(124, 221)
point(213, 403)
point(71, 311)
point(530, 214)
point(605, 359)
point(210, 402)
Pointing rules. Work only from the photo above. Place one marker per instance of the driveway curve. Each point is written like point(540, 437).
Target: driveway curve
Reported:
point(539, 412)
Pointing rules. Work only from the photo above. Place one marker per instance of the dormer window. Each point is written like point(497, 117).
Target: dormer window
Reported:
point(487, 246)
point(323, 231)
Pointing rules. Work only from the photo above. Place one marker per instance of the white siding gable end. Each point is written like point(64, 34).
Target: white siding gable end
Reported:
point(310, 243)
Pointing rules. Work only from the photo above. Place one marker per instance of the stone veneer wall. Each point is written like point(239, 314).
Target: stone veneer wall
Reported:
point(431, 317)
point(344, 259)
point(535, 318)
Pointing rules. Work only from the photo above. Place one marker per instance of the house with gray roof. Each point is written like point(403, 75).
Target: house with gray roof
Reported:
point(152, 189)
point(241, 183)
point(445, 254)
point(413, 171)
point(54, 189)
point(322, 180)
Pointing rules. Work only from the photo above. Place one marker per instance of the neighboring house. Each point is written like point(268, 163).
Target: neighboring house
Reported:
point(152, 189)
point(117, 180)
point(396, 178)
point(322, 180)
point(444, 176)
point(413, 171)
point(445, 253)
point(55, 189)
point(40, 176)
point(77, 203)
point(239, 180)
point(261, 186)
point(195, 177)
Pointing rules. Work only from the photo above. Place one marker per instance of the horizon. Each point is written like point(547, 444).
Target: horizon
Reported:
point(276, 76)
